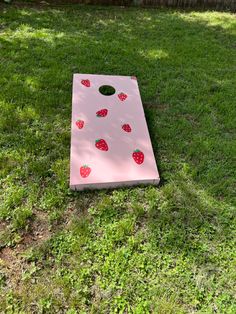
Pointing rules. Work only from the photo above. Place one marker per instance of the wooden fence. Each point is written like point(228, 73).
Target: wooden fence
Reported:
point(200, 4)
point(228, 5)
point(215, 4)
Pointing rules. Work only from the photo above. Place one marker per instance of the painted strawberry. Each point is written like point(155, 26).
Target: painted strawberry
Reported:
point(85, 83)
point(126, 128)
point(80, 124)
point(138, 156)
point(122, 96)
point(85, 171)
point(101, 113)
point(101, 144)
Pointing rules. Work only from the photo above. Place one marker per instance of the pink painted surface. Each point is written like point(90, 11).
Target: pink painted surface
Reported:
point(119, 122)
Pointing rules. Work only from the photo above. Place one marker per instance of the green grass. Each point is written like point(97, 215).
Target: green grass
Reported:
point(140, 250)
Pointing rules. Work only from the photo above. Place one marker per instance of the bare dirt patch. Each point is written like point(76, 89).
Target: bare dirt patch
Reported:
point(12, 262)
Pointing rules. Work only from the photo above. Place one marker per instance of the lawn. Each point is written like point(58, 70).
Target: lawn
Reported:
point(166, 249)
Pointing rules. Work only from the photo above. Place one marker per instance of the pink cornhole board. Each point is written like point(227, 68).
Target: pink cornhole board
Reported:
point(110, 142)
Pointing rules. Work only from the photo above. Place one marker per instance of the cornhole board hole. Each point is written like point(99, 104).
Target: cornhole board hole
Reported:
point(110, 142)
